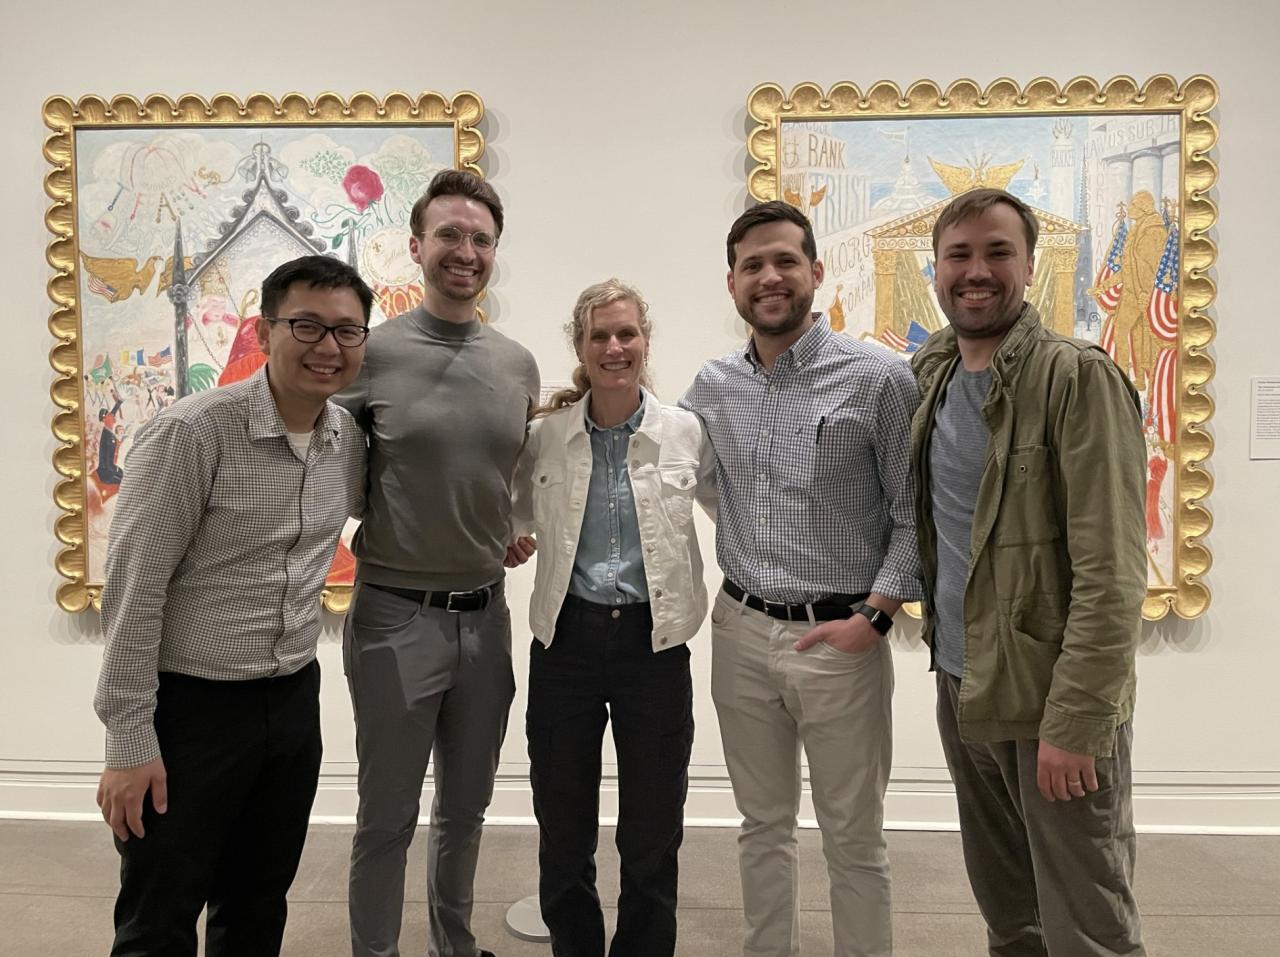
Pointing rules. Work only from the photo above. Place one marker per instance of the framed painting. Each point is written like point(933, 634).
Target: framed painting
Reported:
point(1118, 175)
point(165, 218)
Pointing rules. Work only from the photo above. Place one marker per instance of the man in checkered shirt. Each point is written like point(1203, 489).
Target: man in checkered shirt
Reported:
point(223, 534)
point(816, 538)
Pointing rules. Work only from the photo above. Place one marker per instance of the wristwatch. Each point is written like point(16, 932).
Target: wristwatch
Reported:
point(881, 621)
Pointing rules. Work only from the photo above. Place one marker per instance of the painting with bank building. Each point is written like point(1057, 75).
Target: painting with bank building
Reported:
point(1107, 190)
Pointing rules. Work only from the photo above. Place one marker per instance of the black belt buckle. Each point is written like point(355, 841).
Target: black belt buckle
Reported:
point(777, 609)
point(460, 601)
point(828, 608)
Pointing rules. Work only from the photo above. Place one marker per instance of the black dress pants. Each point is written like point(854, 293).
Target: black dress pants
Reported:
point(601, 667)
point(242, 760)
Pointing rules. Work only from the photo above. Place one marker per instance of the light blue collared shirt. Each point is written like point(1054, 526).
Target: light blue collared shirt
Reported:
point(609, 568)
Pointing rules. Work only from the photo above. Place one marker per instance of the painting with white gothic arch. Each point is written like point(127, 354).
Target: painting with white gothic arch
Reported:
point(175, 228)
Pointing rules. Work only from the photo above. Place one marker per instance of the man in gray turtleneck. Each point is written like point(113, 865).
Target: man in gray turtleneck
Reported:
point(427, 646)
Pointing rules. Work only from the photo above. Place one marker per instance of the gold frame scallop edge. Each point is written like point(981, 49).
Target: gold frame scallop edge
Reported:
point(1195, 99)
point(64, 116)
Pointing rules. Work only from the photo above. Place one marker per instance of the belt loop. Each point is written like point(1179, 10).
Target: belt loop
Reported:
point(808, 608)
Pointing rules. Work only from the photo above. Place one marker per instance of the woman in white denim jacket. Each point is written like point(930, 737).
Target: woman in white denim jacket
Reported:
point(607, 481)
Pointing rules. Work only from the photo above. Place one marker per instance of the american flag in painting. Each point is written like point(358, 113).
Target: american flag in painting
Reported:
point(1162, 310)
point(101, 287)
point(1162, 316)
point(917, 336)
point(1108, 296)
point(894, 341)
point(1162, 398)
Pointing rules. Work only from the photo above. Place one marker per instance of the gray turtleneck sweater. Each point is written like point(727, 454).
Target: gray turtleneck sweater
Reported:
point(444, 406)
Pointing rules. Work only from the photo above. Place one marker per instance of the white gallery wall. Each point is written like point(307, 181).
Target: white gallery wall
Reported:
point(615, 136)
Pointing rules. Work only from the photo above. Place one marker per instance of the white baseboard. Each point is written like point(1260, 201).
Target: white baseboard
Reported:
point(1184, 802)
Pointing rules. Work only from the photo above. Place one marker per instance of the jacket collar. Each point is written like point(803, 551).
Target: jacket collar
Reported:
point(1010, 356)
point(650, 423)
point(1008, 359)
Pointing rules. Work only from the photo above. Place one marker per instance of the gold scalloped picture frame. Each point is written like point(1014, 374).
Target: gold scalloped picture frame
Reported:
point(165, 217)
point(1119, 176)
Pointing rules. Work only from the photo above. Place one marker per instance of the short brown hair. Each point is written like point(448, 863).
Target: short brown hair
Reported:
point(456, 182)
point(774, 211)
point(978, 201)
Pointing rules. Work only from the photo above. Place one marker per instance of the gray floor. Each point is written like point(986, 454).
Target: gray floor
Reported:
point(1199, 895)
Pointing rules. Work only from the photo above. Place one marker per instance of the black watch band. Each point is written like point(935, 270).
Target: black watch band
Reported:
point(880, 620)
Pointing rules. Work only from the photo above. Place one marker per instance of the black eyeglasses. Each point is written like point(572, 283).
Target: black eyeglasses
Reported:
point(452, 236)
point(309, 331)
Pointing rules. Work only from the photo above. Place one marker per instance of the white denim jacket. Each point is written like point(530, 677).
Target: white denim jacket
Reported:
point(670, 462)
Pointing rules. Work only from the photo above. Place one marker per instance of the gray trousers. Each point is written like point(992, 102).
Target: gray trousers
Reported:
point(425, 683)
point(1052, 879)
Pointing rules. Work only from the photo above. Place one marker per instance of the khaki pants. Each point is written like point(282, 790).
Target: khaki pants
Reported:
point(770, 700)
point(1052, 879)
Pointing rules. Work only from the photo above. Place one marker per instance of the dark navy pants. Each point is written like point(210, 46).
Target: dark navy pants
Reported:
point(601, 668)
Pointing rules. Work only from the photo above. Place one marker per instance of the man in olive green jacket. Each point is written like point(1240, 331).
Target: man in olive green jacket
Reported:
point(1029, 470)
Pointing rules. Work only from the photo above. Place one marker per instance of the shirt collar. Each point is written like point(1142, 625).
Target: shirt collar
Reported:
point(630, 426)
point(264, 418)
point(802, 350)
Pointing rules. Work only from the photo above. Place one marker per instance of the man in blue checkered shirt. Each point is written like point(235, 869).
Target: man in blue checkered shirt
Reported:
point(816, 537)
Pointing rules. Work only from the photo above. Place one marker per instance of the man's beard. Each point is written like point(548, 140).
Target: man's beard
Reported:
point(794, 318)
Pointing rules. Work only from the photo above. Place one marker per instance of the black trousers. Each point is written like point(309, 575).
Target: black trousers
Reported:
point(242, 760)
point(603, 668)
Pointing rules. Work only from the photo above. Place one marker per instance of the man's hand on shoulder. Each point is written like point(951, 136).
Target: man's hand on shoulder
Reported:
point(120, 795)
point(853, 636)
point(1062, 775)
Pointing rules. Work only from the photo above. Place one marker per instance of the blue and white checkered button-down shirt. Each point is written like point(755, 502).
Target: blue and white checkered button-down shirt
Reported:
point(813, 466)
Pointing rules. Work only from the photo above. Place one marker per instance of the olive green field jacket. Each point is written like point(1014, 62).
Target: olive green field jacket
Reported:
point(1058, 561)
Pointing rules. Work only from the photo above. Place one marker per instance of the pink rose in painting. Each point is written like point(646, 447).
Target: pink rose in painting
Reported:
point(363, 186)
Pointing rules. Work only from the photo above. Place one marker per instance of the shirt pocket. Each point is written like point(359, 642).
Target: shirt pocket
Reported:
point(833, 444)
point(1027, 515)
point(549, 484)
point(678, 484)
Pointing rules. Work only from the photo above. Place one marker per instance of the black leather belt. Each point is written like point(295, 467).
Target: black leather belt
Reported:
point(454, 601)
point(829, 608)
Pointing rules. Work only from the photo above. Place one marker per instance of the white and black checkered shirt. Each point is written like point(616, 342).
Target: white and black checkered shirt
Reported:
point(220, 545)
point(813, 468)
